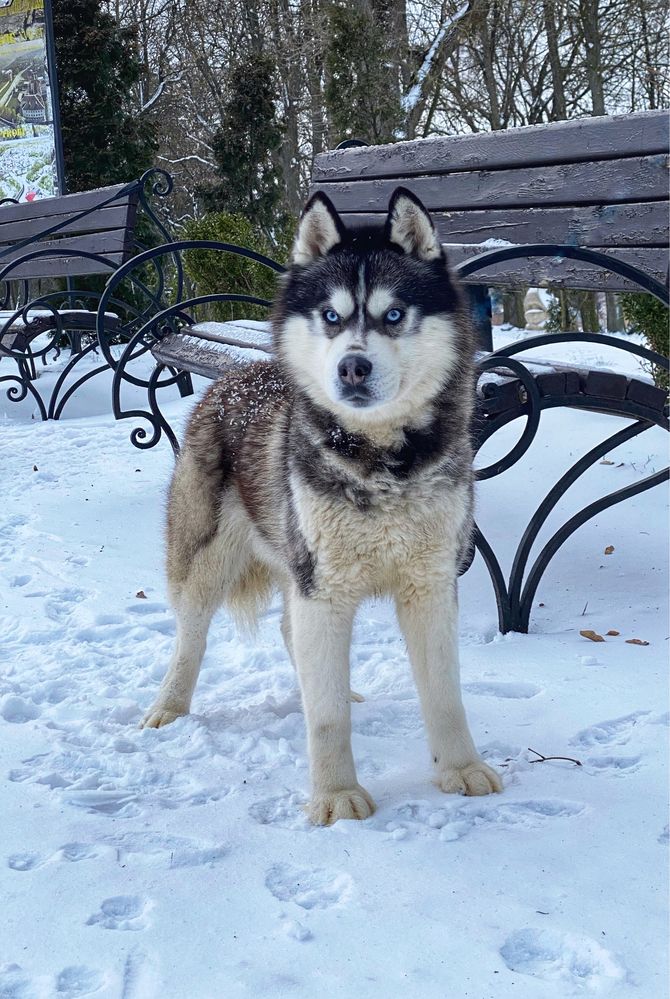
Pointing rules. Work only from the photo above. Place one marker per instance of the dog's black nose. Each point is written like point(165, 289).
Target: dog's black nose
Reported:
point(353, 369)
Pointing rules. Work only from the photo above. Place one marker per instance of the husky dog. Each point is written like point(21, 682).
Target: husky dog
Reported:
point(341, 470)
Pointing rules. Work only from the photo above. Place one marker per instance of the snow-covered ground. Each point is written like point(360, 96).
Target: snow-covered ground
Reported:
point(177, 863)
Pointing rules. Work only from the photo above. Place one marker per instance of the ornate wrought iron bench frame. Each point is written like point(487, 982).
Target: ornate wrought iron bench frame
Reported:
point(70, 237)
point(523, 391)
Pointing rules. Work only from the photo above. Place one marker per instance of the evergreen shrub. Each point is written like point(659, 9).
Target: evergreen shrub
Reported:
point(216, 272)
point(646, 315)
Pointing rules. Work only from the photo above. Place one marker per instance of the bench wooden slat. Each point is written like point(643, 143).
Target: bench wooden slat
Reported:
point(553, 383)
point(640, 134)
point(202, 357)
point(634, 224)
point(539, 272)
point(111, 241)
point(50, 208)
point(605, 385)
point(647, 394)
point(114, 217)
point(591, 183)
point(65, 266)
point(107, 232)
point(114, 245)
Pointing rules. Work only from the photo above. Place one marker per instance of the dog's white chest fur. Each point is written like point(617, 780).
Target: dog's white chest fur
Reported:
point(369, 551)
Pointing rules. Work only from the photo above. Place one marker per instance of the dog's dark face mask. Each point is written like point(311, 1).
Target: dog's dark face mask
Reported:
point(365, 319)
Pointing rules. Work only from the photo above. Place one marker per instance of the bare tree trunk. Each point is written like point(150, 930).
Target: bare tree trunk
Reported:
point(390, 16)
point(649, 74)
point(614, 313)
point(513, 311)
point(314, 74)
point(588, 312)
point(289, 72)
point(550, 10)
point(487, 40)
point(589, 14)
point(566, 318)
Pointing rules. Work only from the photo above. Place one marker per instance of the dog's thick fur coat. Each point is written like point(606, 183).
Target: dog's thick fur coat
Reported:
point(341, 470)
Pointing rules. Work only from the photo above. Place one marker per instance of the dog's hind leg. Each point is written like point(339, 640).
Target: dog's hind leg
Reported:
point(204, 572)
point(174, 698)
point(428, 616)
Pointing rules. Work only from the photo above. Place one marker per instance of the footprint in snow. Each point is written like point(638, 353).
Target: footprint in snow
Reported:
point(78, 980)
point(62, 603)
point(147, 607)
point(122, 912)
point(454, 821)
point(17, 711)
point(310, 889)
point(24, 862)
point(102, 619)
point(73, 853)
point(101, 633)
point(616, 766)
point(513, 691)
point(15, 983)
point(577, 962)
point(166, 851)
point(614, 732)
point(285, 811)
point(10, 523)
point(53, 691)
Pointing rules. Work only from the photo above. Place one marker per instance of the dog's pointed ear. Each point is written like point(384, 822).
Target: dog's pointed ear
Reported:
point(319, 230)
point(410, 227)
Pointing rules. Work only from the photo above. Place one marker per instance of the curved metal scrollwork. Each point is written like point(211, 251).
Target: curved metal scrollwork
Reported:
point(37, 331)
point(561, 251)
point(35, 327)
point(515, 595)
point(161, 309)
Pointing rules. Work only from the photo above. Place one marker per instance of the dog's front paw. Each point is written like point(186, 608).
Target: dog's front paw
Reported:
point(474, 779)
point(162, 713)
point(329, 806)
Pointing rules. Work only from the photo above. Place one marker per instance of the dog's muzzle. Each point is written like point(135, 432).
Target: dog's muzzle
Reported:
point(353, 371)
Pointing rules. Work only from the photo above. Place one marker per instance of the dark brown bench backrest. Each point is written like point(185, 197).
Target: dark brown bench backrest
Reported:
point(596, 182)
point(106, 231)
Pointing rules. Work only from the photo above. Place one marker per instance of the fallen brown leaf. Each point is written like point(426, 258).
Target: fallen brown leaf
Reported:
point(612, 632)
point(141, 594)
point(609, 549)
point(605, 461)
point(592, 636)
point(636, 641)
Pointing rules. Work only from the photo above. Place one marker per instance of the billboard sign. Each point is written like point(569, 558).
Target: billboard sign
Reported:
point(27, 133)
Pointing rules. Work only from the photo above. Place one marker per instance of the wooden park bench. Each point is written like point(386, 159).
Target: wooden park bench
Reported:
point(599, 184)
point(581, 204)
point(48, 244)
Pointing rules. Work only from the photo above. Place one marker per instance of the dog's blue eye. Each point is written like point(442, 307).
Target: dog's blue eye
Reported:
point(393, 316)
point(331, 316)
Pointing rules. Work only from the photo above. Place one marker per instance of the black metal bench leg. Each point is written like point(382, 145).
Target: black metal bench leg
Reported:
point(480, 306)
point(185, 384)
